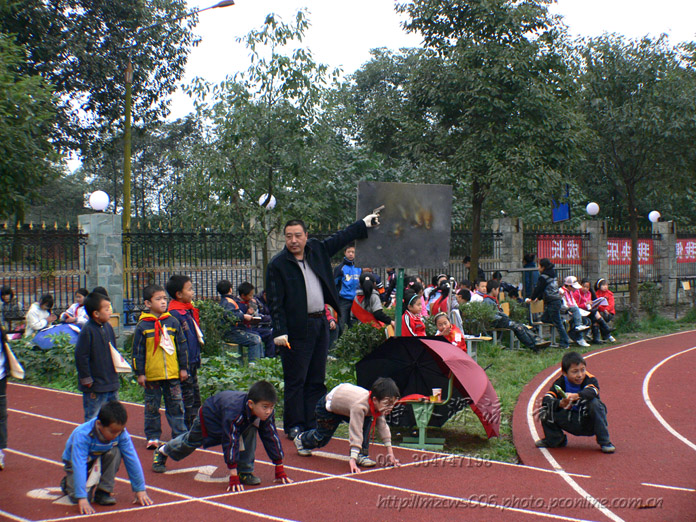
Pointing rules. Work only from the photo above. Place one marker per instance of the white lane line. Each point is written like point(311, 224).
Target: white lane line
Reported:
point(458, 500)
point(653, 409)
point(535, 435)
point(14, 517)
point(185, 498)
point(198, 450)
point(662, 486)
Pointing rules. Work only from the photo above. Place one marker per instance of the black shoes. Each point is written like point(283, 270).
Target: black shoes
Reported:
point(541, 443)
point(159, 461)
point(249, 479)
point(104, 498)
point(294, 432)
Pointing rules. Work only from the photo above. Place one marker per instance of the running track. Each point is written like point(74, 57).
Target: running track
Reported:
point(550, 486)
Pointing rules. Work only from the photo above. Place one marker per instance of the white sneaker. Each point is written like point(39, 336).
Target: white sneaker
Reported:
point(610, 339)
point(583, 343)
point(581, 328)
point(365, 461)
point(301, 450)
point(2, 460)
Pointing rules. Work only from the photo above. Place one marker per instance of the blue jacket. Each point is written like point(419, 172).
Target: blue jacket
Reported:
point(84, 446)
point(187, 321)
point(225, 416)
point(287, 295)
point(347, 279)
point(231, 307)
point(93, 358)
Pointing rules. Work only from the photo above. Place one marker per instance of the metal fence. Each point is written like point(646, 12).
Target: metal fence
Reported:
point(152, 256)
point(686, 253)
point(37, 260)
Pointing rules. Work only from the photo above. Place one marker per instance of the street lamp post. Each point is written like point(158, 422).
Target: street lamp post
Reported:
point(127, 123)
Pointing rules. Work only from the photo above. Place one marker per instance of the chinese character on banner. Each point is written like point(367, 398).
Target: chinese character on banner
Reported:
point(619, 251)
point(686, 250)
point(565, 250)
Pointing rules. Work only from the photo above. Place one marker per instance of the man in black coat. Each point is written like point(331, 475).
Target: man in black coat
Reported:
point(299, 284)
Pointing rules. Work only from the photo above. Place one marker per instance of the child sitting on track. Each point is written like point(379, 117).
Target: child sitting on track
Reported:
point(572, 404)
point(362, 410)
point(232, 418)
point(92, 457)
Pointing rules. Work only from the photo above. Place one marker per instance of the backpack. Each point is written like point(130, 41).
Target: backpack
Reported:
point(551, 291)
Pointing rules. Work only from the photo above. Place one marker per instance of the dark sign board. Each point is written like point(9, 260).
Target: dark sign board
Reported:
point(415, 225)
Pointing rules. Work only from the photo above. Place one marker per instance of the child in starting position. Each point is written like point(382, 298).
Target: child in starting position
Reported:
point(232, 418)
point(97, 377)
point(572, 404)
point(102, 440)
point(362, 410)
point(160, 358)
point(412, 322)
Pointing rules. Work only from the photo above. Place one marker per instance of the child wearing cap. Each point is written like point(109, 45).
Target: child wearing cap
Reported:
point(570, 293)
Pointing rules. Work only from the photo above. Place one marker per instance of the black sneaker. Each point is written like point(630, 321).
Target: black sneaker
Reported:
point(538, 345)
point(294, 432)
point(608, 448)
point(159, 461)
point(541, 443)
point(249, 479)
point(104, 498)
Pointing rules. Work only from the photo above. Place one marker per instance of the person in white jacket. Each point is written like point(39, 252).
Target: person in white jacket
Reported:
point(39, 315)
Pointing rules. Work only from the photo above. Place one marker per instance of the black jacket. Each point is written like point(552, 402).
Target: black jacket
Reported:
point(547, 286)
point(93, 358)
point(287, 296)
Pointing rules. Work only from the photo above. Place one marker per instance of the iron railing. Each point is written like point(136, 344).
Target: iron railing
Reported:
point(37, 260)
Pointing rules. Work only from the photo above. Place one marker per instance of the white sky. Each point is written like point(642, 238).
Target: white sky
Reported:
point(342, 33)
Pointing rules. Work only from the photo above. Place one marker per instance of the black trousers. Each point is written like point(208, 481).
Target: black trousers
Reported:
point(304, 372)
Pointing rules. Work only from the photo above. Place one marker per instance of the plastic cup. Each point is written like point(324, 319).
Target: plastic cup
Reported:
point(437, 392)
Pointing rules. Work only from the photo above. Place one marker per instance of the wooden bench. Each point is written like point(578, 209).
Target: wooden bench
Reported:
point(235, 348)
point(471, 348)
point(537, 307)
point(514, 341)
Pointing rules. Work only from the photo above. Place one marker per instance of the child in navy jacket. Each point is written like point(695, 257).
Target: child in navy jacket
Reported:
point(232, 419)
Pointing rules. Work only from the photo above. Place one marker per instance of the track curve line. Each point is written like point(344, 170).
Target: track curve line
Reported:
point(651, 406)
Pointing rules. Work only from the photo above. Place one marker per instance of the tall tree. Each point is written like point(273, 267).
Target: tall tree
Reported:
point(639, 100)
point(27, 115)
point(82, 48)
point(497, 96)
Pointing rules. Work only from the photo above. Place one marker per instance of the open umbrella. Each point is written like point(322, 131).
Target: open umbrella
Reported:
point(419, 364)
point(44, 338)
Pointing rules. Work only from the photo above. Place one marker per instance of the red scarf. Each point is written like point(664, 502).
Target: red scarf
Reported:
point(183, 307)
point(158, 326)
point(363, 315)
point(375, 413)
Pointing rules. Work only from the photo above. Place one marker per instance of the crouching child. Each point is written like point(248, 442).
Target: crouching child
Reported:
point(232, 418)
point(363, 410)
point(92, 457)
point(572, 404)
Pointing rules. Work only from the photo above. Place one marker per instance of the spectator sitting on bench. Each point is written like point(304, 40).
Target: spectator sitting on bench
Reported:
point(526, 337)
point(238, 333)
point(608, 311)
point(569, 292)
point(250, 305)
point(11, 311)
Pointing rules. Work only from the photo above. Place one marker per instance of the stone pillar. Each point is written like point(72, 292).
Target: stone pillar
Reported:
point(595, 259)
point(104, 258)
point(665, 258)
point(512, 248)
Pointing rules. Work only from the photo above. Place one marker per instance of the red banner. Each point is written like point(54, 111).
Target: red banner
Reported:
point(686, 250)
point(563, 250)
point(619, 251)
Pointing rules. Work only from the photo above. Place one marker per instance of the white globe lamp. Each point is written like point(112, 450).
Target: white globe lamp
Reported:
point(592, 209)
point(268, 203)
point(99, 200)
point(654, 216)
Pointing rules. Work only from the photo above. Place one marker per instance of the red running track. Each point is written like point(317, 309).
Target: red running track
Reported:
point(647, 387)
point(427, 486)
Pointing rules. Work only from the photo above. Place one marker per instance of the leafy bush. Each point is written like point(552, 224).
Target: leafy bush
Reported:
point(650, 298)
point(214, 323)
point(47, 367)
point(356, 342)
point(476, 317)
point(518, 311)
point(223, 372)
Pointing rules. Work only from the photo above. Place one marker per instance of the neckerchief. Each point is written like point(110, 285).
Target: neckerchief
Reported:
point(158, 325)
point(375, 413)
point(178, 305)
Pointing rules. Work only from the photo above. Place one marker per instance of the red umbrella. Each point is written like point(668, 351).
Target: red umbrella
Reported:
point(418, 364)
point(485, 402)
